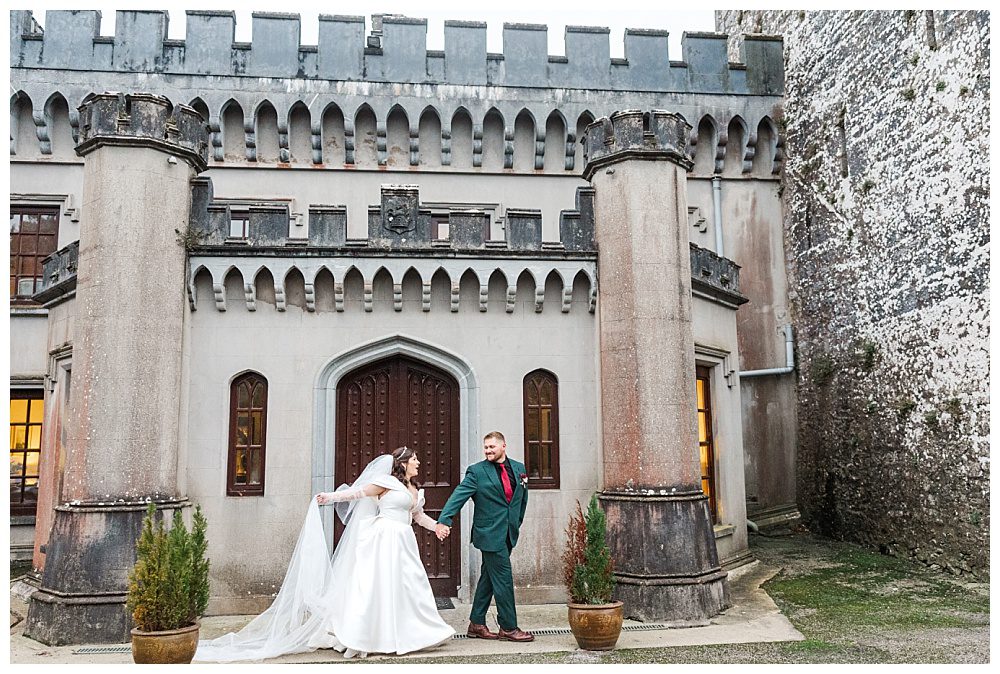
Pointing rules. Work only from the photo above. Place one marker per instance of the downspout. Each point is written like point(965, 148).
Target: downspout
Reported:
point(789, 359)
point(717, 208)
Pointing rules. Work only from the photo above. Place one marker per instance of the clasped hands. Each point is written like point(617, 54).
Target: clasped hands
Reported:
point(442, 531)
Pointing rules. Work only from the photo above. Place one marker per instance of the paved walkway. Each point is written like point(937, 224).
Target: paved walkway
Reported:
point(753, 617)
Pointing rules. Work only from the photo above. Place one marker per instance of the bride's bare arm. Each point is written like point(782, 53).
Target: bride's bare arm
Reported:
point(349, 494)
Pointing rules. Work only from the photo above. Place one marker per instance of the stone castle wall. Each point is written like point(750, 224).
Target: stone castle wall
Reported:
point(886, 237)
point(396, 51)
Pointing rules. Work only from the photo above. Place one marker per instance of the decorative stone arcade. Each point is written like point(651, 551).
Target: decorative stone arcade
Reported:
point(659, 527)
point(121, 447)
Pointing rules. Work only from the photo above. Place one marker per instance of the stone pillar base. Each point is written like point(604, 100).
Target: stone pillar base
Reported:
point(681, 602)
point(58, 619)
point(89, 554)
point(663, 548)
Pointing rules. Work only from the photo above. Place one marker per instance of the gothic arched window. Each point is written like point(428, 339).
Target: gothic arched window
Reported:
point(541, 429)
point(247, 433)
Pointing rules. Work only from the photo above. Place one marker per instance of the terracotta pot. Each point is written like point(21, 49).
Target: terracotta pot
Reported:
point(596, 626)
point(170, 647)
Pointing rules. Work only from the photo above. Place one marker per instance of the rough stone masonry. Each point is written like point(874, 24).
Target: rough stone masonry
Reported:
point(887, 241)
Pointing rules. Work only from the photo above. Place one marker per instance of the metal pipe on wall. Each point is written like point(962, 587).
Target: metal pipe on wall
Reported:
point(717, 209)
point(789, 359)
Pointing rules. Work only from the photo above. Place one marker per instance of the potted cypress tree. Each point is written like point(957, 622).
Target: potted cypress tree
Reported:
point(595, 620)
point(168, 589)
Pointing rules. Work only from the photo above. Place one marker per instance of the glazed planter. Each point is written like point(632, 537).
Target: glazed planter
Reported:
point(170, 647)
point(596, 627)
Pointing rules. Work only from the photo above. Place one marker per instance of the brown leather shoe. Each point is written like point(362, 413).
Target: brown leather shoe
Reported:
point(480, 632)
point(516, 634)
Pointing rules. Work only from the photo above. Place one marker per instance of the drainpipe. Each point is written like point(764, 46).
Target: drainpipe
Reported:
point(717, 207)
point(789, 359)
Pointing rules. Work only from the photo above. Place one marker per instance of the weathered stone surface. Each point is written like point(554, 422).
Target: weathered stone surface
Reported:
point(268, 225)
point(467, 229)
point(327, 225)
point(401, 55)
point(59, 272)
point(576, 227)
point(636, 134)
point(671, 571)
point(524, 229)
point(715, 277)
point(122, 428)
point(141, 119)
point(400, 222)
point(652, 477)
point(886, 199)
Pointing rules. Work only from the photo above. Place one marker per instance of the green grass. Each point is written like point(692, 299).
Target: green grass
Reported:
point(851, 604)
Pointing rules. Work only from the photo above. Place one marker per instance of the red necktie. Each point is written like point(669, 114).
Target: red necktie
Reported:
point(508, 491)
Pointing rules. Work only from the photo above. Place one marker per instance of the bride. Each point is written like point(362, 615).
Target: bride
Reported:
point(372, 596)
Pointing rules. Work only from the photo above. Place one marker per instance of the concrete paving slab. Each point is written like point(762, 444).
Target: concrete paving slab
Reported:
point(753, 617)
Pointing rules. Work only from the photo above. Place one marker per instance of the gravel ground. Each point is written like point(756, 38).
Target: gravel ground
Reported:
point(851, 604)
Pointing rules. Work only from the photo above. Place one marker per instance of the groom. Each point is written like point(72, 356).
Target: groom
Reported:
point(499, 488)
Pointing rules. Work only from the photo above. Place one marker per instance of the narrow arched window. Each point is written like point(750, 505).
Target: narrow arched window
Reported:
point(247, 433)
point(541, 429)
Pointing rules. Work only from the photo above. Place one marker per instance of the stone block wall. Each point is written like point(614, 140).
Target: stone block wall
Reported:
point(885, 195)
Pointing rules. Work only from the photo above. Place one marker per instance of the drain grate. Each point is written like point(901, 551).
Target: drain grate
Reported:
point(556, 631)
point(94, 650)
point(550, 631)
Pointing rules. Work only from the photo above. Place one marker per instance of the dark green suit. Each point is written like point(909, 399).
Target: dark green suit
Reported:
point(495, 528)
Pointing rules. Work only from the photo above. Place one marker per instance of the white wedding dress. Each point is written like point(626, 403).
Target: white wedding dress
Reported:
point(372, 597)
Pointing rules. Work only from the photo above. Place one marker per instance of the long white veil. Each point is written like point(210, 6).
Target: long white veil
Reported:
point(304, 614)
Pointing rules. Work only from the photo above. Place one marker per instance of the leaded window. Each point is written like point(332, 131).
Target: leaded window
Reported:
point(541, 429)
point(34, 231)
point(706, 443)
point(26, 413)
point(247, 435)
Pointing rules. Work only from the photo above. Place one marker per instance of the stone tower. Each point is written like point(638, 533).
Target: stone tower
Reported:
point(141, 154)
point(659, 527)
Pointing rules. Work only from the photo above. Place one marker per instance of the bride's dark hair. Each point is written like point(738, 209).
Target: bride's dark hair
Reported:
point(399, 458)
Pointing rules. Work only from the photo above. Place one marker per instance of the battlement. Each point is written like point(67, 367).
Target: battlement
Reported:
point(400, 222)
point(143, 119)
point(395, 51)
point(636, 134)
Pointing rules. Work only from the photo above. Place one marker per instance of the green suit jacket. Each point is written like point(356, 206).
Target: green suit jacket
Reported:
point(493, 519)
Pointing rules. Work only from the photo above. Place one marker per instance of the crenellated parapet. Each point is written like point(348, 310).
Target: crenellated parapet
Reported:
point(59, 273)
point(395, 51)
point(143, 119)
point(634, 134)
point(398, 223)
point(715, 278)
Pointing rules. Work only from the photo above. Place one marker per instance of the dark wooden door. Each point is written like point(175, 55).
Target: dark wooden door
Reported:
point(398, 402)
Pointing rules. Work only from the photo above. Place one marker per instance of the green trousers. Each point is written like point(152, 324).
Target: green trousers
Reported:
point(495, 580)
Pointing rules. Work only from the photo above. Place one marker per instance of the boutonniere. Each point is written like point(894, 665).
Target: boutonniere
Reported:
point(524, 480)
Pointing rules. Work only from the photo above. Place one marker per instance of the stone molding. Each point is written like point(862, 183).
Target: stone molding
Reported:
point(510, 270)
point(324, 100)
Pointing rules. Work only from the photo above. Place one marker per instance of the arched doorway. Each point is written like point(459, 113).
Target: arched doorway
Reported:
point(401, 401)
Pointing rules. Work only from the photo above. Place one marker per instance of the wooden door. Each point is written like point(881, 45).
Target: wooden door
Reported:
point(396, 402)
